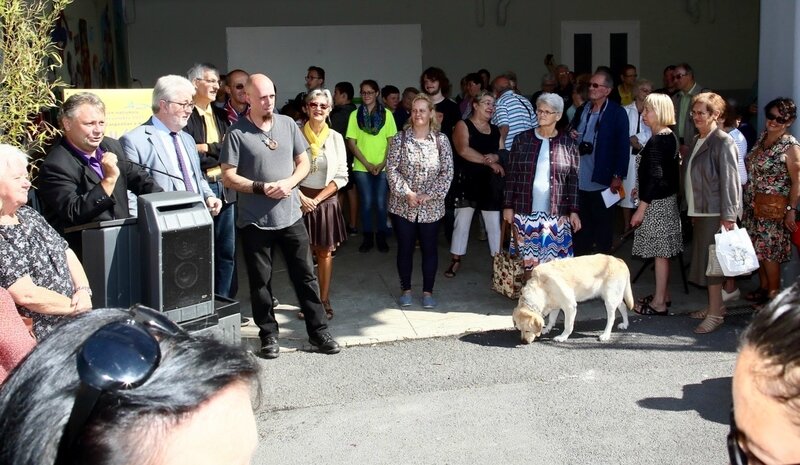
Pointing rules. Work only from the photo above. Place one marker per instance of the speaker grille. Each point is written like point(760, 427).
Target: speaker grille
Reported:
point(187, 274)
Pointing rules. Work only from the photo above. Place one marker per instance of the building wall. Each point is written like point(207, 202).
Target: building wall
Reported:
point(167, 36)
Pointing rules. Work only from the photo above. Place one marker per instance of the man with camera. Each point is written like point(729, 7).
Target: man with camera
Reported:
point(602, 136)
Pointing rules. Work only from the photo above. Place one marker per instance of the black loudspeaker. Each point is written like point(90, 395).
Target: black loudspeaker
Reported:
point(177, 250)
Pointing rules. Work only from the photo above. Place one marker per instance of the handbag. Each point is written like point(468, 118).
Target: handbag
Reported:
point(735, 252)
point(770, 206)
point(507, 270)
point(713, 270)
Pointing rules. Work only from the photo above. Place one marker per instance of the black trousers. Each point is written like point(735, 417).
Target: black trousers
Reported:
point(258, 245)
point(597, 226)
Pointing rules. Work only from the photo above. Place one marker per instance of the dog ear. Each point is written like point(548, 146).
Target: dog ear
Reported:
point(538, 324)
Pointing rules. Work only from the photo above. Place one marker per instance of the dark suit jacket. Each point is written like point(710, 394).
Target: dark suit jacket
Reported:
point(196, 127)
point(71, 194)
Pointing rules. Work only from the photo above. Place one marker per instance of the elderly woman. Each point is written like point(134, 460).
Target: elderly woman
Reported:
point(321, 212)
point(419, 169)
point(639, 134)
point(657, 218)
point(541, 192)
point(712, 190)
point(42, 274)
point(368, 133)
point(478, 178)
point(765, 422)
point(152, 394)
point(773, 168)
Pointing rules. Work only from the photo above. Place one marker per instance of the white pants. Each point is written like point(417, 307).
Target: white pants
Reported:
point(463, 221)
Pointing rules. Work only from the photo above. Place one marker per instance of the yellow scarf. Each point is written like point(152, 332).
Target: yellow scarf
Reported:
point(314, 140)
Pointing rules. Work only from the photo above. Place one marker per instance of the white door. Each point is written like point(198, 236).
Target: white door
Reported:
point(585, 45)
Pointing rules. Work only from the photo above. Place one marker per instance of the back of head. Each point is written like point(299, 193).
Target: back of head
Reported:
point(126, 425)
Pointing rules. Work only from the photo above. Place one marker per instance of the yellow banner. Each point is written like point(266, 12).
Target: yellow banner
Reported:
point(125, 108)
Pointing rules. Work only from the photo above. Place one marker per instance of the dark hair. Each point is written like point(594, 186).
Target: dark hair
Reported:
point(731, 113)
point(785, 106)
point(626, 67)
point(37, 398)
point(346, 88)
point(319, 71)
point(686, 67)
point(474, 78)
point(371, 83)
point(773, 336)
point(669, 68)
point(436, 74)
point(389, 90)
point(412, 90)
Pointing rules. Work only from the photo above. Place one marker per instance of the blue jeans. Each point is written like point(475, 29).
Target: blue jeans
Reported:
point(372, 192)
point(224, 246)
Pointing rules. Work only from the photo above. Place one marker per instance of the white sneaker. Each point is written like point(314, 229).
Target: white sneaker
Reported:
point(731, 296)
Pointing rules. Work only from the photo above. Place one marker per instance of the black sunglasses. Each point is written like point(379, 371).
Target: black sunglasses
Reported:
point(776, 118)
point(119, 356)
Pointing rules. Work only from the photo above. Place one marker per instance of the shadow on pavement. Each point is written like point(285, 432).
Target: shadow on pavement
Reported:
point(696, 397)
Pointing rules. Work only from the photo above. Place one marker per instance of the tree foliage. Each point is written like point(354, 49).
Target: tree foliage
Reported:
point(28, 59)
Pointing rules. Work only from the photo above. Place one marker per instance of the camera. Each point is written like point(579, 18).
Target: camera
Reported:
point(585, 148)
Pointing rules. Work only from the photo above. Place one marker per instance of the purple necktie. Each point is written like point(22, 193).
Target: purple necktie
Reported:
point(187, 180)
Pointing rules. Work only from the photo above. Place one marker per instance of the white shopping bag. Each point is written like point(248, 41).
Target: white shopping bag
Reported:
point(735, 252)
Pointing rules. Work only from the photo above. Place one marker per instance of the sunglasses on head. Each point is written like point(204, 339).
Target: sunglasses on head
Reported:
point(321, 106)
point(776, 118)
point(119, 356)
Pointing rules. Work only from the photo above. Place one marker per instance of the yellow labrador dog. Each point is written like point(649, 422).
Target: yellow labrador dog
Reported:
point(561, 284)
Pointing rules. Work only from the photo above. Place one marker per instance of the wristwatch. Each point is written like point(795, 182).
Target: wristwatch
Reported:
point(83, 288)
point(789, 208)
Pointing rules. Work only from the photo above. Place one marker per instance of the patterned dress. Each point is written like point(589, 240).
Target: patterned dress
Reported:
point(35, 249)
point(767, 173)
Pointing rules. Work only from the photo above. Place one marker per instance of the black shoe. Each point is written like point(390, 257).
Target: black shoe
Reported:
point(325, 343)
point(380, 239)
point(269, 348)
point(352, 230)
point(369, 242)
point(275, 302)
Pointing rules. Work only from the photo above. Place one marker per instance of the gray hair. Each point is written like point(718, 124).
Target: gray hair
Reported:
point(167, 86)
point(319, 93)
point(71, 104)
point(553, 101)
point(10, 154)
point(199, 69)
point(642, 82)
point(608, 80)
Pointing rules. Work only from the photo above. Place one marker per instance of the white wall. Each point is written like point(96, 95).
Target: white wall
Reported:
point(167, 36)
point(779, 54)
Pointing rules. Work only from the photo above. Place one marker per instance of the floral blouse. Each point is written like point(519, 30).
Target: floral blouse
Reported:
point(33, 248)
point(421, 166)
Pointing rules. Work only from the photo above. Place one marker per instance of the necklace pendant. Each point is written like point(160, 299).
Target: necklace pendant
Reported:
point(314, 166)
point(272, 144)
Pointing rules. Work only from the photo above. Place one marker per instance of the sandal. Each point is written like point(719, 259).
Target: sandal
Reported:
point(701, 314)
point(647, 299)
point(647, 309)
point(455, 264)
point(326, 304)
point(709, 324)
point(758, 295)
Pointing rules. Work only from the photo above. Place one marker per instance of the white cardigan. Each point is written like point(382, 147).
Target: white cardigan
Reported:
point(335, 152)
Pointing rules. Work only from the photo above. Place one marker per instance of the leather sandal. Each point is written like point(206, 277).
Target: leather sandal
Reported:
point(455, 264)
point(649, 298)
point(326, 304)
point(710, 323)
point(647, 309)
point(701, 314)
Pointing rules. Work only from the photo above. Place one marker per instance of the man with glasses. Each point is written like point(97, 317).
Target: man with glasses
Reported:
point(236, 106)
point(161, 145)
point(315, 79)
point(207, 125)
point(687, 88)
point(603, 144)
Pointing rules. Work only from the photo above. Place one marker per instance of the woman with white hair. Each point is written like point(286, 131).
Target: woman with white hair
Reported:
point(318, 201)
point(40, 271)
point(541, 194)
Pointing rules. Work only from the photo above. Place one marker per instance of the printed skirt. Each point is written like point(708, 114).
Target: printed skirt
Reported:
point(542, 238)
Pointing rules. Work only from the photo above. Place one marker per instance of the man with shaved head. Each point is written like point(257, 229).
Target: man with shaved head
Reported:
point(264, 159)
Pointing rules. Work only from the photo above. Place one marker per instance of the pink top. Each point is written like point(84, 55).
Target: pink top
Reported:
point(15, 339)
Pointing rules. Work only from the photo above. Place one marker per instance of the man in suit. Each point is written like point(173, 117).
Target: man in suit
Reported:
point(161, 145)
point(85, 176)
point(687, 88)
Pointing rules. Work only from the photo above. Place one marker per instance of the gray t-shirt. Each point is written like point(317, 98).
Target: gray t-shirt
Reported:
point(245, 147)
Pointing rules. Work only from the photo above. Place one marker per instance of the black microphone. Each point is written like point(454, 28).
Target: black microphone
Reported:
point(155, 170)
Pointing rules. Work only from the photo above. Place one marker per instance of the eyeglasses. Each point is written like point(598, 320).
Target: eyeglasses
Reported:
point(184, 105)
point(321, 106)
point(209, 81)
point(698, 113)
point(119, 356)
point(311, 78)
point(776, 118)
point(595, 85)
point(545, 112)
point(367, 93)
point(679, 75)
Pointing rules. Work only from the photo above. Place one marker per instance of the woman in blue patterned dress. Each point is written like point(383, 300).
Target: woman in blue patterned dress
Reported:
point(773, 168)
point(541, 195)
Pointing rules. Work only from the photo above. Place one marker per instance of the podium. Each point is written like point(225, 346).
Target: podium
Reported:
point(164, 259)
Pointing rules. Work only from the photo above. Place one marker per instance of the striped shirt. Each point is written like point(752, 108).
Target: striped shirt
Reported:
point(516, 112)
